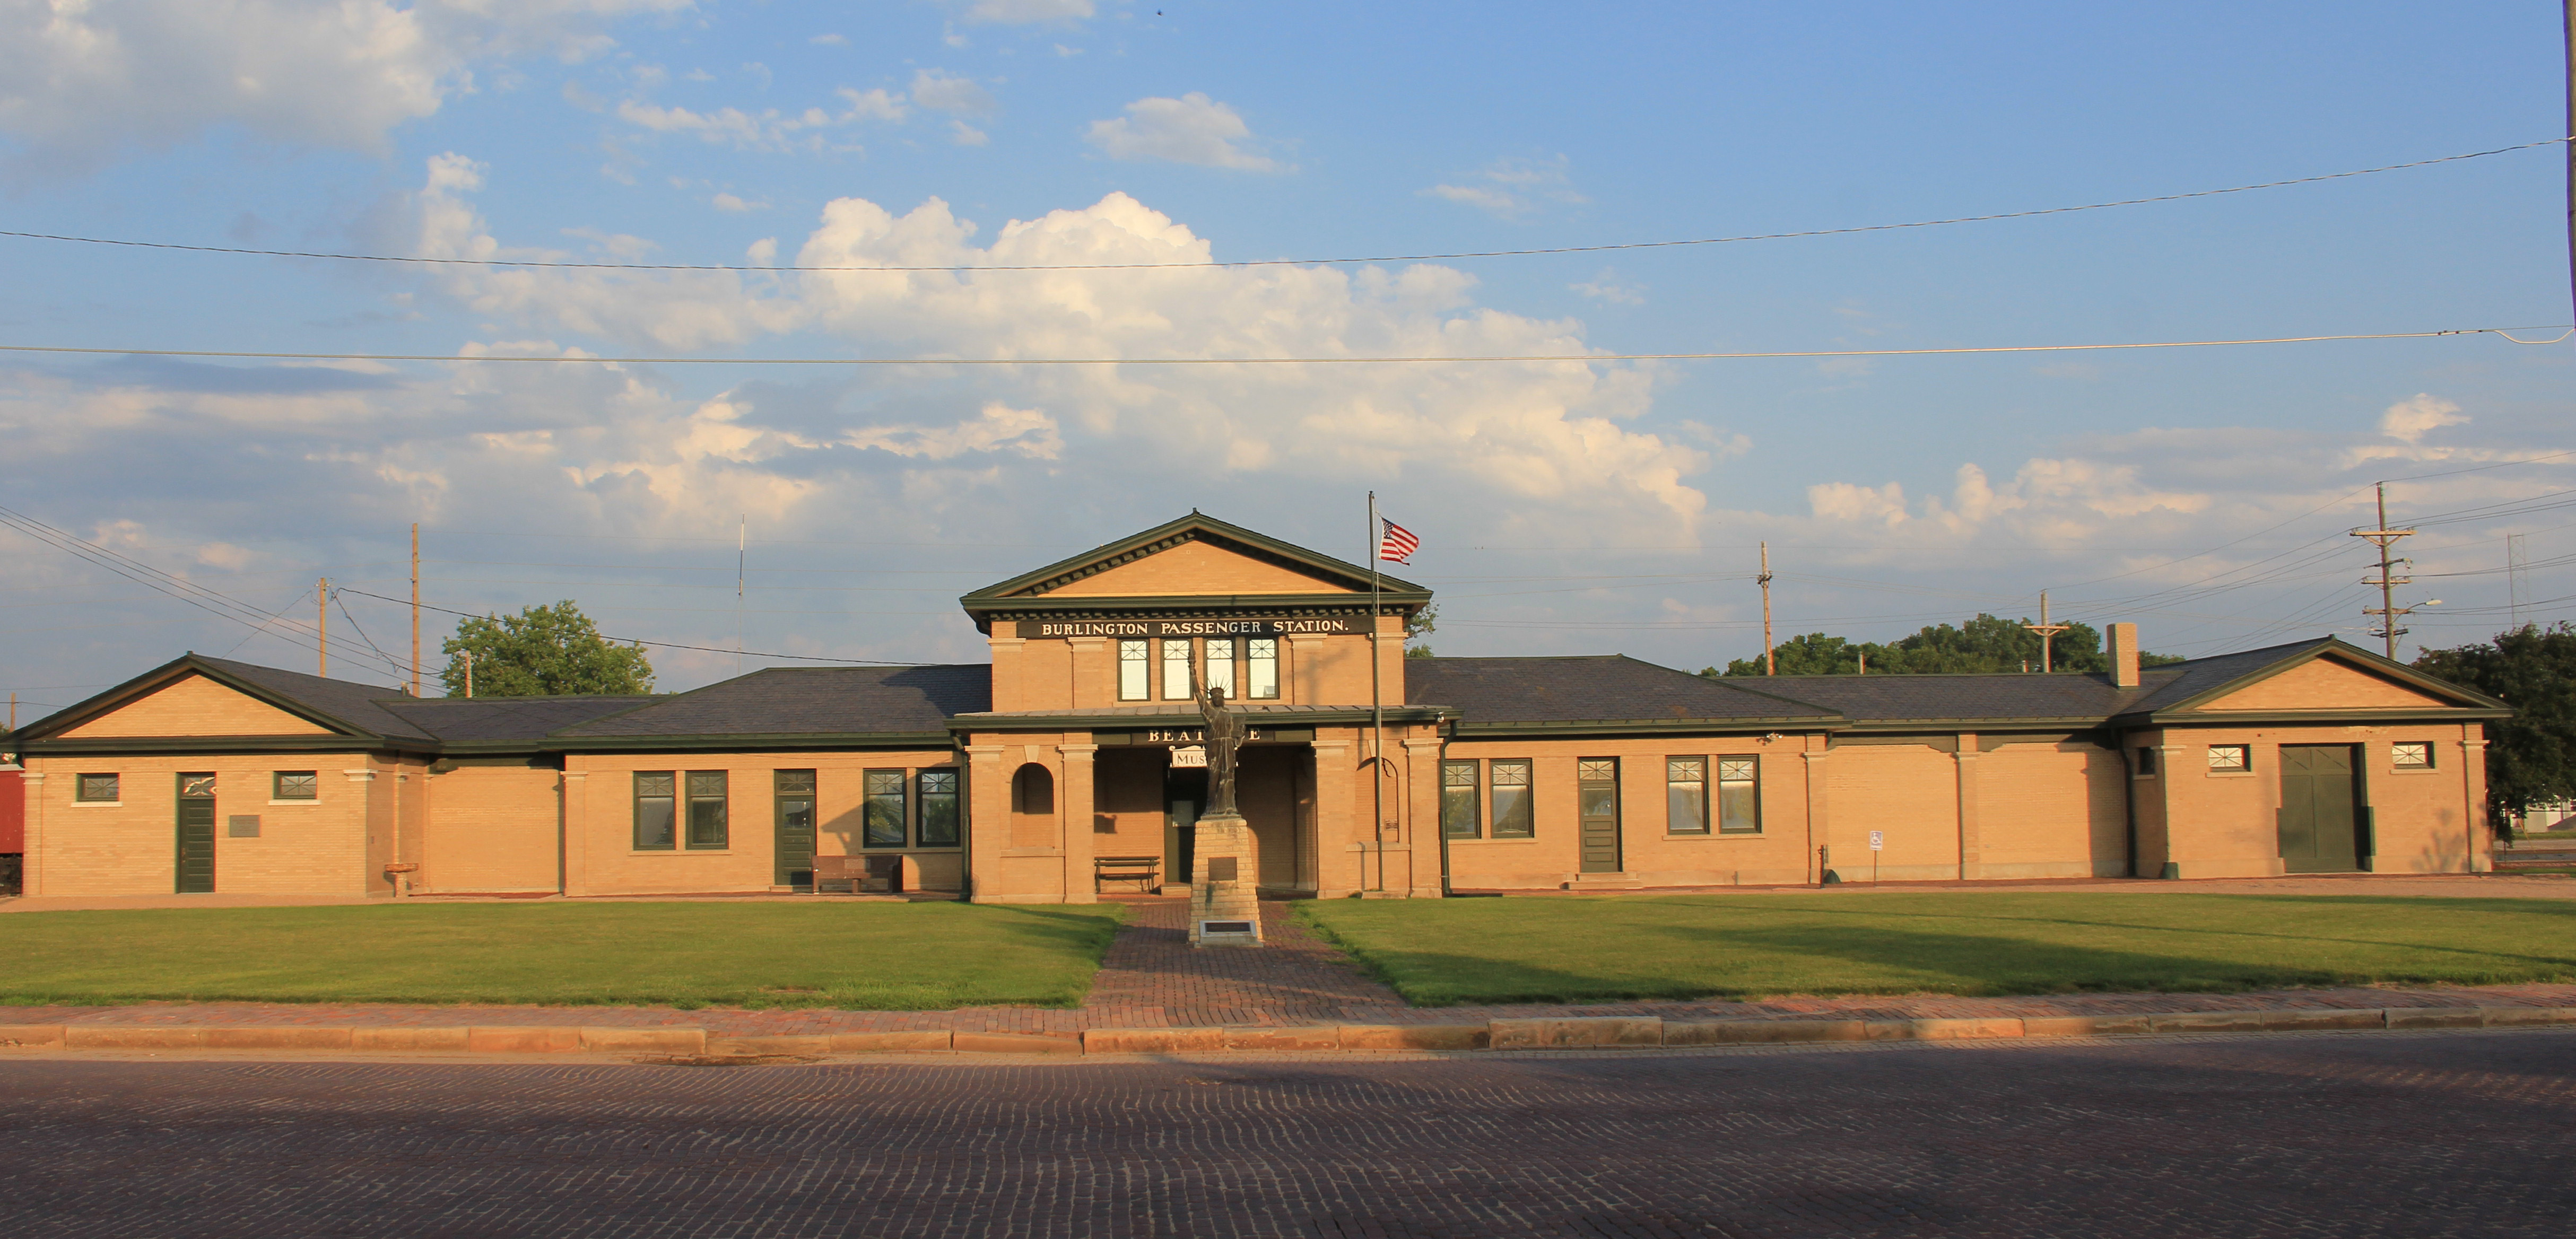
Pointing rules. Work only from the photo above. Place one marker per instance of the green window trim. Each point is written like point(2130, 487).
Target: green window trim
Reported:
point(1461, 817)
point(295, 785)
point(656, 811)
point(709, 829)
point(1739, 795)
point(97, 789)
point(1508, 783)
point(941, 807)
point(885, 810)
point(1686, 795)
point(2411, 755)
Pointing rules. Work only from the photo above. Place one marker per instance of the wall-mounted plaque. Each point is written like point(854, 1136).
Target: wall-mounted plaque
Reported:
point(1192, 757)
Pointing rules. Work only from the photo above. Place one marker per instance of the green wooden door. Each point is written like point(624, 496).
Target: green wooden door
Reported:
point(793, 849)
point(2320, 828)
point(196, 851)
point(1596, 793)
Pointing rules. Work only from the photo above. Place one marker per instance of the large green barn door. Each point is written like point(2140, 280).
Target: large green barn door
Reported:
point(2320, 831)
point(1596, 792)
point(196, 859)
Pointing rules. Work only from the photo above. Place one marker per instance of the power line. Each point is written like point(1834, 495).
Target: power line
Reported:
point(668, 645)
point(1587, 358)
point(1285, 262)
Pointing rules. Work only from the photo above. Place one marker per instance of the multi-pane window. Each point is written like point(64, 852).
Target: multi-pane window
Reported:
point(2229, 759)
point(1261, 669)
point(656, 810)
point(95, 789)
point(1510, 780)
point(1686, 795)
point(884, 809)
point(1176, 668)
point(1739, 795)
point(2146, 767)
point(1132, 671)
point(1220, 665)
point(295, 785)
point(1459, 817)
point(2411, 755)
point(196, 785)
point(707, 827)
point(938, 808)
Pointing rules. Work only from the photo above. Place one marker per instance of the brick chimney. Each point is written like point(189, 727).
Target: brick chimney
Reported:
point(2124, 655)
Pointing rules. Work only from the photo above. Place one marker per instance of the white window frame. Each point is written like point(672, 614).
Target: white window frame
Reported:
point(1260, 669)
point(1176, 670)
point(1135, 674)
point(1220, 664)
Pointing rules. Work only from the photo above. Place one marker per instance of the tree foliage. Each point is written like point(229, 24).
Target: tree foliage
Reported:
point(1983, 644)
point(2531, 758)
point(543, 651)
point(1416, 626)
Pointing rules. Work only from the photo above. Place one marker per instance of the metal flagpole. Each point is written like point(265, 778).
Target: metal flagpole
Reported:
point(1377, 708)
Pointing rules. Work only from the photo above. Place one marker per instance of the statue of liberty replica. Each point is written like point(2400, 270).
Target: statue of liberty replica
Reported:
point(1225, 905)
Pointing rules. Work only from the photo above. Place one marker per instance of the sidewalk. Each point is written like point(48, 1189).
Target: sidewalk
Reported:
point(1153, 979)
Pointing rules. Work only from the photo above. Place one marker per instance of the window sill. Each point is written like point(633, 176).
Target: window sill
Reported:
point(98, 804)
point(315, 801)
point(2412, 770)
point(680, 852)
point(2231, 774)
point(1454, 841)
point(1701, 835)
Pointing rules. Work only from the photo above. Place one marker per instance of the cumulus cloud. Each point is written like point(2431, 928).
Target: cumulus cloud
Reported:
point(941, 91)
point(1192, 129)
point(81, 83)
point(1512, 188)
point(1023, 12)
point(769, 129)
point(998, 428)
point(2408, 421)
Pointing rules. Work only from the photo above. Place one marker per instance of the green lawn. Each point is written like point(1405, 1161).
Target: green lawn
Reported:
point(868, 956)
point(1438, 952)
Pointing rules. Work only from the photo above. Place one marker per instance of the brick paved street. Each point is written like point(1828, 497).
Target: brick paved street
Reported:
point(2403, 1135)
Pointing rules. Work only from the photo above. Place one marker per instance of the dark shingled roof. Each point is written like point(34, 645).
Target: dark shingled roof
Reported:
point(810, 701)
point(2074, 698)
point(507, 718)
point(1601, 688)
point(359, 705)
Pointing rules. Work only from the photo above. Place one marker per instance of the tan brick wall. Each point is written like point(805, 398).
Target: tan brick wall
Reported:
point(602, 830)
point(1196, 568)
point(130, 848)
point(194, 706)
point(1650, 853)
point(492, 829)
point(2052, 810)
point(1909, 793)
point(2324, 684)
point(1046, 673)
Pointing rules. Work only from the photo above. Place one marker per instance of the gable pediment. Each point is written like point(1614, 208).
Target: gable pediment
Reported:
point(192, 705)
point(1197, 556)
point(2328, 683)
point(1198, 566)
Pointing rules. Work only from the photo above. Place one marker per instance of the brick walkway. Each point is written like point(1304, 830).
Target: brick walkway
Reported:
point(1152, 978)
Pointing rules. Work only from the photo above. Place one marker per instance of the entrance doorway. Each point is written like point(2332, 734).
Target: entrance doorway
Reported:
point(1184, 794)
point(2320, 802)
point(196, 850)
point(1596, 790)
point(793, 847)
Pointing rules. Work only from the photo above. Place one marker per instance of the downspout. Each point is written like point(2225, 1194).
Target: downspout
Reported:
point(965, 821)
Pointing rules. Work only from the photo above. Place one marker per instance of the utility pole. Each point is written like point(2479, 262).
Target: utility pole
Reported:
point(468, 655)
point(322, 624)
point(415, 608)
point(2384, 537)
point(2048, 631)
point(1770, 663)
point(1377, 702)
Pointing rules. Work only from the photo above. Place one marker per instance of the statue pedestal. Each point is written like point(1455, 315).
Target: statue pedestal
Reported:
point(1225, 908)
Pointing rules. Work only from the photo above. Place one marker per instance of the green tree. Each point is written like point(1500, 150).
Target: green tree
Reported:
point(2531, 757)
point(1984, 644)
point(542, 652)
point(1416, 626)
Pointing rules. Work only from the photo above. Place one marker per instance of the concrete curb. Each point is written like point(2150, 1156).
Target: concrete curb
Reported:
point(1569, 1033)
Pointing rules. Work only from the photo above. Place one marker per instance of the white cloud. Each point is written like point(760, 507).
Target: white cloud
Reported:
point(830, 40)
point(1192, 129)
point(998, 428)
point(2408, 421)
point(82, 83)
point(1512, 188)
point(1606, 288)
point(769, 129)
point(730, 202)
point(964, 134)
point(941, 91)
point(1024, 12)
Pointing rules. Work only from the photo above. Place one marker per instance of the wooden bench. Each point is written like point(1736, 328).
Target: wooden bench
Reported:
point(1145, 871)
point(862, 874)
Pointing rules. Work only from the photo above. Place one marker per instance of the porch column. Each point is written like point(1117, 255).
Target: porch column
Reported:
point(575, 830)
point(1080, 805)
point(1336, 817)
point(1971, 840)
point(2473, 785)
point(1820, 836)
point(1422, 802)
point(31, 866)
point(988, 820)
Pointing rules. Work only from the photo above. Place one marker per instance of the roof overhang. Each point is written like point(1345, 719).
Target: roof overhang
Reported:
point(114, 745)
point(32, 736)
point(1469, 729)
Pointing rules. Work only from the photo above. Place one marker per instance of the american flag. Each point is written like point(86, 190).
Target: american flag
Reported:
point(1398, 544)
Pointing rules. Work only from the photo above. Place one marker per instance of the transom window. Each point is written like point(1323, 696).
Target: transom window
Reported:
point(1739, 795)
point(296, 785)
point(1595, 771)
point(196, 785)
point(1459, 814)
point(1220, 665)
point(95, 788)
point(884, 809)
point(1176, 668)
point(1509, 779)
point(1686, 795)
point(2411, 754)
point(1132, 671)
point(1261, 669)
point(2230, 758)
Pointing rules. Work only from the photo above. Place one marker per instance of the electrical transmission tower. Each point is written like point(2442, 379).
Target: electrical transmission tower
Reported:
point(2388, 611)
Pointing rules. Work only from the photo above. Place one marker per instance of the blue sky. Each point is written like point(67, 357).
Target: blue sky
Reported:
point(1563, 507)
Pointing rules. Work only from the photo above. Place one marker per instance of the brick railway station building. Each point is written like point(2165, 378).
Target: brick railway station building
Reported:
point(1063, 766)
